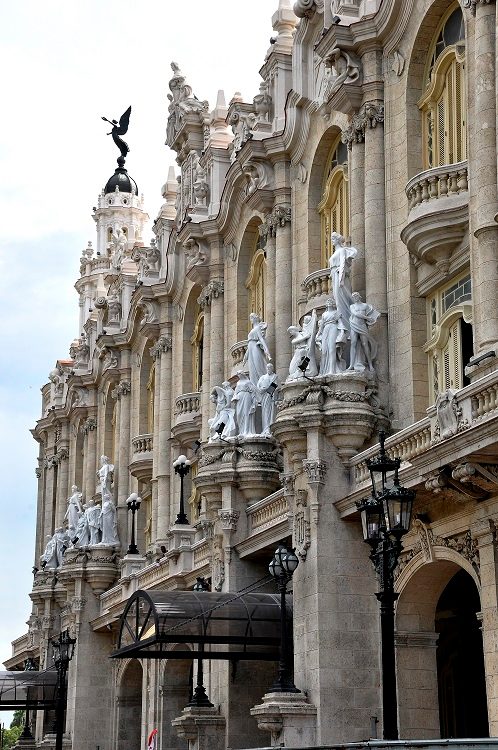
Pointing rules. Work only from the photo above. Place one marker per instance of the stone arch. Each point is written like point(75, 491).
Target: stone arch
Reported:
point(415, 81)
point(420, 586)
point(175, 692)
point(248, 245)
point(129, 706)
point(315, 195)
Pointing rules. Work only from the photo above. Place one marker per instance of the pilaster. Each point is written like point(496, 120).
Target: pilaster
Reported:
point(163, 355)
point(281, 225)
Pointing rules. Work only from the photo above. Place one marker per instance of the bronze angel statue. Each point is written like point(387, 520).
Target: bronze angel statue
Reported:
point(119, 129)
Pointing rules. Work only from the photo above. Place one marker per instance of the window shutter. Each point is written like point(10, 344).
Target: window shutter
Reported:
point(440, 132)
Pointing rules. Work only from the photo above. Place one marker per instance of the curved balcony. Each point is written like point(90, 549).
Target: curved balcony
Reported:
point(437, 213)
point(141, 461)
point(316, 288)
point(237, 352)
point(187, 419)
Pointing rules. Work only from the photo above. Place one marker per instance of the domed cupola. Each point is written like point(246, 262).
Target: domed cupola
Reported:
point(122, 180)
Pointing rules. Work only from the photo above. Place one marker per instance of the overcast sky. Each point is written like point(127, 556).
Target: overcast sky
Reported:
point(65, 63)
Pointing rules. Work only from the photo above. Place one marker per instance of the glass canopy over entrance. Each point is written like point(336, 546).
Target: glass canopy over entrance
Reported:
point(28, 689)
point(206, 625)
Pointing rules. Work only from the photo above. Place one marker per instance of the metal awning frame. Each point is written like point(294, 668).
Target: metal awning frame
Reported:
point(31, 689)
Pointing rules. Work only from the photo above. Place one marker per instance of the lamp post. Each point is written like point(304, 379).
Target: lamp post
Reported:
point(63, 650)
point(133, 504)
point(282, 568)
point(181, 467)
point(29, 666)
point(385, 518)
point(200, 697)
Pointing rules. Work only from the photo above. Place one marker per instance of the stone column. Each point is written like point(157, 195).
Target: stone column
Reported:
point(90, 458)
point(281, 218)
point(372, 118)
point(206, 371)
point(155, 352)
point(355, 138)
point(483, 180)
point(484, 532)
point(268, 240)
point(162, 435)
point(213, 294)
point(121, 489)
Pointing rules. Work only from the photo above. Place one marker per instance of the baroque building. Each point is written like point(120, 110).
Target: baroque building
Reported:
point(366, 163)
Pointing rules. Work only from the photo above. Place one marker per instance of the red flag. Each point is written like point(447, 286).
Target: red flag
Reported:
point(151, 741)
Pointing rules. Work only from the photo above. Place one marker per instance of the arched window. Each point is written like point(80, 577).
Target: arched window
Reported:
point(256, 283)
point(444, 103)
point(450, 345)
point(334, 206)
point(197, 342)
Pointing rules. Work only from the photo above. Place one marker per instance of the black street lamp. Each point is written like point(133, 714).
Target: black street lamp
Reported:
point(133, 504)
point(182, 467)
point(200, 697)
point(63, 650)
point(29, 666)
point(282, 568)
point(385, 518)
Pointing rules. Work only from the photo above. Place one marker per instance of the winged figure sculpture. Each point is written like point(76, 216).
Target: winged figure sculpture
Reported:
point(119, 129)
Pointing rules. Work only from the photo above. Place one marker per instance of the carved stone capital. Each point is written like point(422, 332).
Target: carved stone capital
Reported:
point(369, 116)
point(163, 344)
point(89, 425)
point(316, 470)
point(123, 388)
point(212, 290)
point(228, 519)
point(288, 481)
point(483, 531)
point(472, 4)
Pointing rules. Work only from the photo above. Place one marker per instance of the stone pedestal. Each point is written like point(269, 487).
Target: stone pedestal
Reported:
point(131, 564)
point(289, 718)
point(48, 742)
point(26, 744)
point(180, 555)
point(203, 727)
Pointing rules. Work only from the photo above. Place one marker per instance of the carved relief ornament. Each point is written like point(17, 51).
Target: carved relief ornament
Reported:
point(472, 4)
point(212, 290)
point(369, 116)
point(162, 345)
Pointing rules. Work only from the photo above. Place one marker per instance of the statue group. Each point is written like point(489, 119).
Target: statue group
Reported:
point(249, 409)
point(340, 341)
point(88, 523)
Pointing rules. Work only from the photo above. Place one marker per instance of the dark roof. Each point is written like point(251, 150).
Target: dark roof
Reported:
point(166, 624)
point(123, 181)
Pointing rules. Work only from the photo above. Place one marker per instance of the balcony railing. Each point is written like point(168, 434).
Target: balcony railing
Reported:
point(142, 443)
point(188, 403)
point(237, 352)
point(267, 512)
point(438, 182)
point(316, 284)
point(141, 462)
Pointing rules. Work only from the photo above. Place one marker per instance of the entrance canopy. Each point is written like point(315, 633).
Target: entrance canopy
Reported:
point(192, 624)
point(32, 689)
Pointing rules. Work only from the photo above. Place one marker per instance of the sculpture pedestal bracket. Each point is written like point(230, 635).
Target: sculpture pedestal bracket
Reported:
point(289, 718)
point(202, 727)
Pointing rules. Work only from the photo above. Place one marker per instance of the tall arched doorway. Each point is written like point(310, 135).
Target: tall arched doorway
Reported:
point(460, 662)
point(129, 714)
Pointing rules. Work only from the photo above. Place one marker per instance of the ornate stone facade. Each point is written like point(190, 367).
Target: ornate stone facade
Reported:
point(341, 153)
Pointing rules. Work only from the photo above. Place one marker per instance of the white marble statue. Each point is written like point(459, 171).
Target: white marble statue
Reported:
point(105, 474)
point(268, 398)
point(48, 559)
point(363, 346)
point(54, 550)
point(304, 343)
point(246, 401)
point(81, 536)
point(331, 338)
point(225, 412)
point(74, 509)
point(92, 514)
point(257, 353)
point(340, 264)
point(118, 247)
point(109, 522)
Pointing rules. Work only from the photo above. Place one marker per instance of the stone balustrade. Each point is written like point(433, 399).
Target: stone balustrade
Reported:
point(188, 403)
point(437, 183)
point(237, 352)
point(267, 512)
point(141, 461)
point(99, 263)
point(316, 284)
point(142, 443)
point(201, 552)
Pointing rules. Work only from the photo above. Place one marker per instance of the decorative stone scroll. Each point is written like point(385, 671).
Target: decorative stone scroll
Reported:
point(301, 533)
point(341, 67)
point(305, 8)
